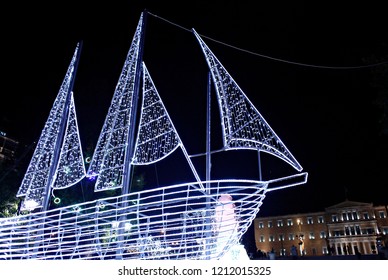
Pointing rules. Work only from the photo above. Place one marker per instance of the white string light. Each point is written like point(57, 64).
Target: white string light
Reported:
point(107, 164)
point(70, 169)
point(172, 222)
point(243, 125)
point(181, 221)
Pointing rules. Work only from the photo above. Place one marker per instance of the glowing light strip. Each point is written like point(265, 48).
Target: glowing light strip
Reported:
point(108, 159)
point(172, 215)
point(172, 219)
point(34, 184)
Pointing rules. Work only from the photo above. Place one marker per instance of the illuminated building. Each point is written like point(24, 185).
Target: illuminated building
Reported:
point(341, 229)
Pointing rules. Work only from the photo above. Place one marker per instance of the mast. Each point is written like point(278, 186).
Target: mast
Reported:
point(132, 128)
point(208, 166)
point(41, 173)
point(259, 165)
point(61, 134)
point(112, 158)
point(208, 124)
point(127, 167)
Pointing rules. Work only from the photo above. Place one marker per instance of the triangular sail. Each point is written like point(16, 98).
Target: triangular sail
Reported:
point(42, 170)
point(243, 125)
point(109, 156)
point(157, 137)
point(71, 167)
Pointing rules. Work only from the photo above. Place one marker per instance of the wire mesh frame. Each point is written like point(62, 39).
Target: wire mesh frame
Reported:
point(164, 223)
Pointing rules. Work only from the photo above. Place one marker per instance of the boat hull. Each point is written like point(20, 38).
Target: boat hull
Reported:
point(187, 221)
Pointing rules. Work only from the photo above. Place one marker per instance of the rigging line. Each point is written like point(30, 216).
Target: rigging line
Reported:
point(270, 57)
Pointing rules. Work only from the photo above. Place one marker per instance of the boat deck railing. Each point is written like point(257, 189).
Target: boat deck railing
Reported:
point(176, 222)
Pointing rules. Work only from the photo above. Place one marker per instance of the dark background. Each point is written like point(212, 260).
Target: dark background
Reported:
point(303, 65)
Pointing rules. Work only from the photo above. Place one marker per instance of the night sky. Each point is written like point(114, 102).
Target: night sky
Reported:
point(290, 59)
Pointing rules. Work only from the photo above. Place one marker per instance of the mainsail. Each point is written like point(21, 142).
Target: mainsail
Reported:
point(243, 125)
point(109, 159)
point(157, 137)
point(57, 161)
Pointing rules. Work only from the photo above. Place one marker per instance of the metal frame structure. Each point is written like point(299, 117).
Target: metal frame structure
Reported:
point(201, 219)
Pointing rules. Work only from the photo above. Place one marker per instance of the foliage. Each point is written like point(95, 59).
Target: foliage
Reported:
point(9, 180)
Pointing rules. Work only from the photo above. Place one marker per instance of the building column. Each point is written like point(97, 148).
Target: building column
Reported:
point(363, 248)
point(351, 248)
point(369, 249)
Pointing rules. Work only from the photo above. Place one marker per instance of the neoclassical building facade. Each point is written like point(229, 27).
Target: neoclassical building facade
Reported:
point(347, 228)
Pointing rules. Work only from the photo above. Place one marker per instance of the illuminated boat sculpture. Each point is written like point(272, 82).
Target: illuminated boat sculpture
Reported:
point(199, 219)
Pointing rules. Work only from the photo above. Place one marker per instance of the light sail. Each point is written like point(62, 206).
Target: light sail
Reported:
point(157, 137)
point(42, 173)
point(71, 167)
point(109, 156)
point(243, 125)
point(165, 222)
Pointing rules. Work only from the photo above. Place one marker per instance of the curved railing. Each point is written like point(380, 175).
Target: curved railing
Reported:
point(174, 222)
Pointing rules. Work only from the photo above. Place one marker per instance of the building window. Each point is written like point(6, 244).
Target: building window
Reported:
point(334, 218)
point(350, 217)
point(344, 217)
point(281, 237)
point(289, 222)
point(262, 239)
point(309, 220)
point(271, 238)
point(350, 230)
point(385, 230)
point(325, 251)
point(280, 223)
point(291, 236)
point(355, 215)
point(311, 235)
point(365, 215)
point(320, 220)
point(322, 234)
point(381, 214)
point(358, 230)
point(270, 224)
point(370, 231)
point(261, 225)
